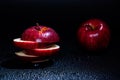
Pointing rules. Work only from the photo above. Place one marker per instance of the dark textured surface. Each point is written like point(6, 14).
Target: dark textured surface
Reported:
point(71, 64)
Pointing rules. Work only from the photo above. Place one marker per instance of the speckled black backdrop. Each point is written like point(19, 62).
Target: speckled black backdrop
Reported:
point(73, 62)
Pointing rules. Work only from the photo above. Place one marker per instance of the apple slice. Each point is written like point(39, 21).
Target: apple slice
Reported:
point(44, 52)
point(23, 56)
point(25, 44)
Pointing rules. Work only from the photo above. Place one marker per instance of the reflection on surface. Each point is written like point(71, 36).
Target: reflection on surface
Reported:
point(14, 63)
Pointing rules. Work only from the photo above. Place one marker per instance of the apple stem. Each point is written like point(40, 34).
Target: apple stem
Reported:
point(90, 27)
point(37, 24)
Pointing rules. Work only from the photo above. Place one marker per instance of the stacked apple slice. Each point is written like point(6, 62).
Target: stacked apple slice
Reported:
point(38, 43)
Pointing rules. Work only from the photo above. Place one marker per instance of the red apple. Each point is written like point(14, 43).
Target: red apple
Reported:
point(94, 34)
point(40, 34)
point(37, 37)
point(43, 52)
point(38, 43)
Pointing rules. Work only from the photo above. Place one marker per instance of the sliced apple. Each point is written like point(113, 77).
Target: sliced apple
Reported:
point(44, 52)
point(41, 34)
point(23, 56)
point(29, 44)
point(25, 44)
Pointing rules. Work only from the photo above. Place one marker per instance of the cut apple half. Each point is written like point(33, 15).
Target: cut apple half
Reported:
point(25, 44)
point(42, 52)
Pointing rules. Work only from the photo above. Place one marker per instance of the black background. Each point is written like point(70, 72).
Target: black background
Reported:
point(65, 17)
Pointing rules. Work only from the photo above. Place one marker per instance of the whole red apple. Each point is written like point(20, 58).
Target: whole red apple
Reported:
point(94, 34)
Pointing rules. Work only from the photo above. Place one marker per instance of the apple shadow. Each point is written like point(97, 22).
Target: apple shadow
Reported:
point(14, 63)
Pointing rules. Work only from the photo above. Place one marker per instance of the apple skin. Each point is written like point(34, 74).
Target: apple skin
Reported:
point(25, 44)
point(43, 52)
point(40, 34)
point(28, 44)
point(94, 34)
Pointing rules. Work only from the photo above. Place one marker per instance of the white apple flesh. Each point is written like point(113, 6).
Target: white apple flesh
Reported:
point(25, 44)
point(23, 56)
